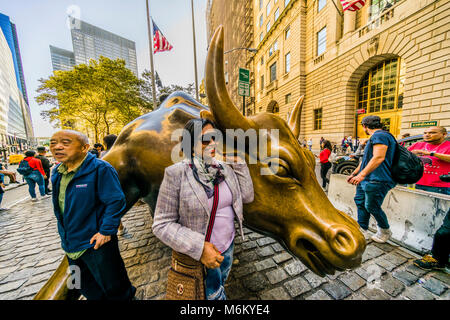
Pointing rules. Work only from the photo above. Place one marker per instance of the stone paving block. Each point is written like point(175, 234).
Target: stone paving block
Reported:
point(248, 245)
point(265, 252)
point(417, 292)
point(282, 257)
point(375, 294)
point(256, 282)
point(371, 252)
point(297, 287)
point(435, 286)
point(243, 270)
point(353, 281)
point(406, 277)
point(337, 290)
point(335, 275)
point(440, 275)
point(277, 293)
point(265, 264)
point(10, 286)
point(391, 286)
point(386, 264)
point(236, 291)
point(405, 254)
point(395, 258)
point(356, 296)
point(295, 268)
point(384, 246)
point(319, 295)
point(255, 236)
point(277, 247)
point(265, 241)
point(19, 275)
point(314, 280)
point(416, 270)
point(276, 276)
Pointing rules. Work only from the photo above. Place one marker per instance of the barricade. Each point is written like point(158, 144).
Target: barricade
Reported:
point(414, 215)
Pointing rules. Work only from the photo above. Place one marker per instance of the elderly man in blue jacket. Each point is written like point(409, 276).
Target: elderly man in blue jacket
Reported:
point(88, 203)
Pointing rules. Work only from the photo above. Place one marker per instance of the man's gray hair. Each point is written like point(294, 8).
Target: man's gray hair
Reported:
point(81, 137)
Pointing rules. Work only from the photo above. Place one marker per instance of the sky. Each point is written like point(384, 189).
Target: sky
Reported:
point(41, 23)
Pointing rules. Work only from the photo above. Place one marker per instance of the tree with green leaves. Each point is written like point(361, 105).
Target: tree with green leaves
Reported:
point(102, 96)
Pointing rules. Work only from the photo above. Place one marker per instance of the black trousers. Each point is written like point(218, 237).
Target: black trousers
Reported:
point(324, 167)
point(441, 242)
point(103, 273)
point(46, 181)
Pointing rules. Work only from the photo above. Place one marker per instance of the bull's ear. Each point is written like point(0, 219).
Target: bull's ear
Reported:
point(295, 117)
point(205, 114)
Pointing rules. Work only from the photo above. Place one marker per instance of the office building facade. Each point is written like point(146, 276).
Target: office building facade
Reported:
point(62, 59)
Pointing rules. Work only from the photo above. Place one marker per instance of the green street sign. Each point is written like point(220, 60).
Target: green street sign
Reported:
point(244, 82)
point(244, 75)
point(422, 124)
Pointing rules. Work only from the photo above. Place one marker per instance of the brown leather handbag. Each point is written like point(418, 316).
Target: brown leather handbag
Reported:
point(185, 280)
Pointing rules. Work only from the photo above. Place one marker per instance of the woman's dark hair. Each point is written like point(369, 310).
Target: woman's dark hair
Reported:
point(109, 140)
point(327, 145)
point(30, 153)
point(189, 132)
point(98, 145)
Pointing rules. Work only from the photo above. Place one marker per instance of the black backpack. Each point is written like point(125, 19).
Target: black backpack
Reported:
point(407, 168)
point(24, 168)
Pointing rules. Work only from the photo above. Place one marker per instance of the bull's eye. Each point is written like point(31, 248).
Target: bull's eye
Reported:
point(279, 167)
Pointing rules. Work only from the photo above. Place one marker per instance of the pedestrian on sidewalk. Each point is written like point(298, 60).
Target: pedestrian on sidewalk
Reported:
point(46, 165)
point(325, 163)
point(88, 203)
point(10, 174)
point(180, 220)
point(310, 143)
point(373, 178)
point(2, 191)
point(435, 154)
point(33, 176)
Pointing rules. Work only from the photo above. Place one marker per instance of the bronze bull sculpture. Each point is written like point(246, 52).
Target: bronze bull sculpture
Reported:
point(289, 206)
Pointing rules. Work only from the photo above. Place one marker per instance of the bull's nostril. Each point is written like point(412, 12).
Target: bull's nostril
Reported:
point(342, 241)
point(307, 245)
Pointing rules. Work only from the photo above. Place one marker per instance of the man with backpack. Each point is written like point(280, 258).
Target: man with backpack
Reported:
point(46, 165)
point(33, 173)
point(373, 177)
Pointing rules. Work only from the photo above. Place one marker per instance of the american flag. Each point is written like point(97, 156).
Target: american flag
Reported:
point(352, 5)
point(160, 42)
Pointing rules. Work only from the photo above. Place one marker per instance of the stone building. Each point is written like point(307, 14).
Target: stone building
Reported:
point(391, 59)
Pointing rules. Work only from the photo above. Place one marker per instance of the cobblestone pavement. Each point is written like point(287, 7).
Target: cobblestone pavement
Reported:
point(30, 252)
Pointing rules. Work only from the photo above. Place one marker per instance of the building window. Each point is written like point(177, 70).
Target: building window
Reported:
point(287, 98)
point(262, 82)
point(286, 2)
point(321, 41)
point(287, 33)
point(275, 46)
point(268, 26)
point(277, 14)
point(262, 60)
point(270, 51)
point(318, 119)
point(261, 37)
point(287, 62)
point(273, 72)
point(321, 4)
point(268, 9)
point(261, 4)
point(261, 21)
point(382, 88)
point(377, 7)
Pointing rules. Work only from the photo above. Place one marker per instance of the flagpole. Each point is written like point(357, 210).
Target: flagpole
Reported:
point(195, 51)
point(150, 41)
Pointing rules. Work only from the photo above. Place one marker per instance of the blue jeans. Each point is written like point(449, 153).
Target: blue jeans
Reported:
point(215, 278)
point(442, 190)
point(35, 178)
point(369, 198)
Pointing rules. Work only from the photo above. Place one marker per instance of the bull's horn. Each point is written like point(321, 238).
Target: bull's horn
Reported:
point(222, 107)
point(295, 117)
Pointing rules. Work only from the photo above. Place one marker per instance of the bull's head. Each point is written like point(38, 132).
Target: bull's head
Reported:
point(289, 205)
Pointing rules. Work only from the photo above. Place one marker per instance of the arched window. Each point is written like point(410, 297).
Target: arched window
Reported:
point(382, 87)
point(273, 107)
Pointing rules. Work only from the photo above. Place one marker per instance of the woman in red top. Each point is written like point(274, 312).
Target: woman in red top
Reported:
point(325, 164)
point(36, 177)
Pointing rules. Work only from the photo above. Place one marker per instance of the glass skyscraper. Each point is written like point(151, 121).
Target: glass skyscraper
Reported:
point(91, 42)
point(62, 59)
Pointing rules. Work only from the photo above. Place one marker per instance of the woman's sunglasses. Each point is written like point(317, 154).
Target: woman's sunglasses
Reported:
point(206, 139)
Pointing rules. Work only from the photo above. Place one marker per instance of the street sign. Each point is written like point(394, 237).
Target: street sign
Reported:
point(244, 82)
point(422, 124)
point(361, 111)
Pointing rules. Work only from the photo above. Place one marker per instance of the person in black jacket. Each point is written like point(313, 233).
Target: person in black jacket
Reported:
point(46, 165)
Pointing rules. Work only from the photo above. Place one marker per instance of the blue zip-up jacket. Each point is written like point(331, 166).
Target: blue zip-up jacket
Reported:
point(94, 203)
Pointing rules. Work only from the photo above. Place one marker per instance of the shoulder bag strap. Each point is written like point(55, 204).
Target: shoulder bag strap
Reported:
point(213, 213)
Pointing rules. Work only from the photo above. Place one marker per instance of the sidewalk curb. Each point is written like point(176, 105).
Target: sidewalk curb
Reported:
point(15, 186)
